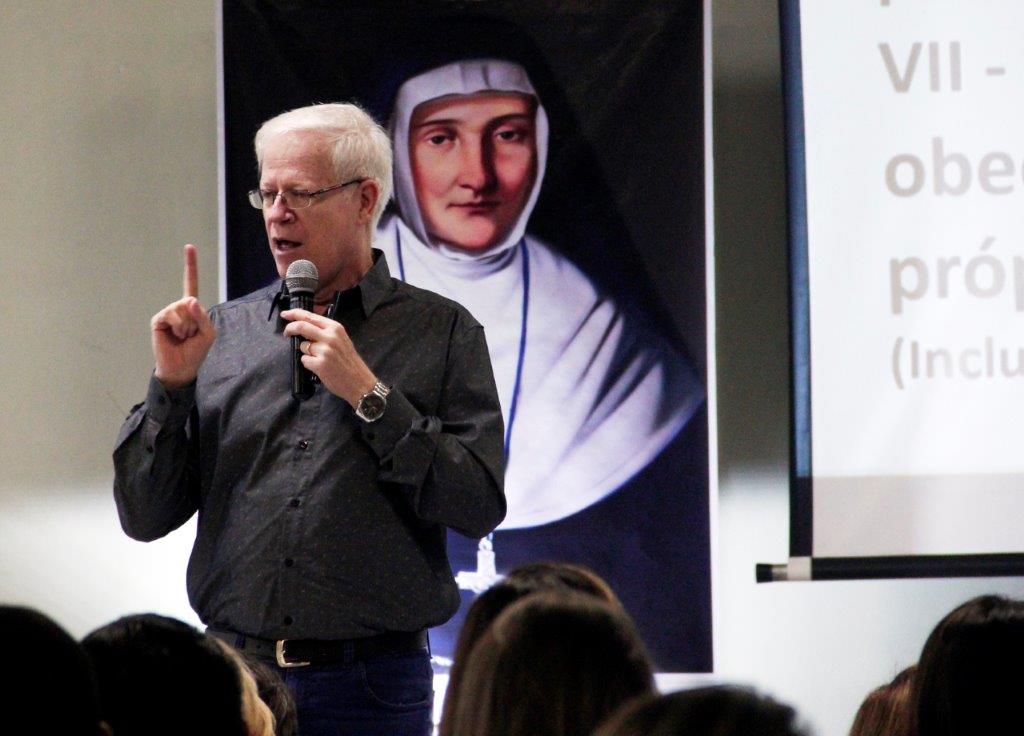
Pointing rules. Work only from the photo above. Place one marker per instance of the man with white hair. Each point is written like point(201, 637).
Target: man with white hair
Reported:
point(321, 535)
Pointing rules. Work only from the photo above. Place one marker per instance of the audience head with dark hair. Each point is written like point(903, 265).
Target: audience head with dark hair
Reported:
point(552, 664)
point(51, 679)
point(520, 582)
point(886, 709)
point(276, 695)
point(971, 671)
point(705, 711)
point(160, 677)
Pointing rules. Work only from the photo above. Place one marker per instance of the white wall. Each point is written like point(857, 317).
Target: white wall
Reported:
point(108, 148)
point(109, 155)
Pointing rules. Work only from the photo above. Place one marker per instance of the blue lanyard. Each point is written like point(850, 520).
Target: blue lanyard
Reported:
point(522, 331)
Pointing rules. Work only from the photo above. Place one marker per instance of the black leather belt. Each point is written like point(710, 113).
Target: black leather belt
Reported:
point(304, 652)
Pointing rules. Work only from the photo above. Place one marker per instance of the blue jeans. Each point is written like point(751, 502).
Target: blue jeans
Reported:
point(386, 695)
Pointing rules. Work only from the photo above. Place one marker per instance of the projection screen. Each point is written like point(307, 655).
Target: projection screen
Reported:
point(905, 145)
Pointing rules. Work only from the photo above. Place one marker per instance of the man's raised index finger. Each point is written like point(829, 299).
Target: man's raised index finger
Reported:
point(190, 278)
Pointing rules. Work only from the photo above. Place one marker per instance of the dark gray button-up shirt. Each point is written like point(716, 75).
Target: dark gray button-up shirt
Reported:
point(312, 523)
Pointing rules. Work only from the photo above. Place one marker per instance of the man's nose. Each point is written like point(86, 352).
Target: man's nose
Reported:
point(477, 166)
point(277, 211)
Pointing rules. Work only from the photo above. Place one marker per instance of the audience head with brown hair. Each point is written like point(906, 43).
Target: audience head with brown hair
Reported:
point(520, 582)
point(705, 711)
point(971, 671)
point(886, 709)
point(552, 664)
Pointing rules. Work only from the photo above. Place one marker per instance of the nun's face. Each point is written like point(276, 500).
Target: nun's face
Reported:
point(474, 161)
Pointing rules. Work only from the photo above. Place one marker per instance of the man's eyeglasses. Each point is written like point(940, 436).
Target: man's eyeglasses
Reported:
point(293, 200)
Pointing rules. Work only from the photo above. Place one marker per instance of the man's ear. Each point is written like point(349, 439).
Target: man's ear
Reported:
point(369, 193)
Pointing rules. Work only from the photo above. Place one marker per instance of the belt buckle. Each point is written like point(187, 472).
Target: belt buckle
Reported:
point(281, 661)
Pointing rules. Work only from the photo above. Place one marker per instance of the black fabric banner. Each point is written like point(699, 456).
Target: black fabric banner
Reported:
point(617, 232)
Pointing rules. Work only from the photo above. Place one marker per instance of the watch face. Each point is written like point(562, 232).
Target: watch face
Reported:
point(371, 407)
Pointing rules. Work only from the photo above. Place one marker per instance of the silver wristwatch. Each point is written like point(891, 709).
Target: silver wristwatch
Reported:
point(371, 407)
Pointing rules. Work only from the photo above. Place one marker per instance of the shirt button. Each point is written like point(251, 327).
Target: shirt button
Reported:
point(149, 448)
point(287, 620)
point(295, 503)
point(371, 435)
point(304, 445)
point(288, 562)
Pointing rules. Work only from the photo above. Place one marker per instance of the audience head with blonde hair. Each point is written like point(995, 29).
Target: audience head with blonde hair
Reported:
point(276, 695)
point(259, 720)
point(552, 664)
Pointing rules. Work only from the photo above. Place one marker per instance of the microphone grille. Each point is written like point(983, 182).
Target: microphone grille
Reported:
point(302, 277)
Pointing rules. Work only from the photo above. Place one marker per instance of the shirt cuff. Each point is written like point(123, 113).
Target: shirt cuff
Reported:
point(396, 422)
point(169, 406)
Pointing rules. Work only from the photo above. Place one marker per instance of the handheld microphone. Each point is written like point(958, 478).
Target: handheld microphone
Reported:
point(301, 279)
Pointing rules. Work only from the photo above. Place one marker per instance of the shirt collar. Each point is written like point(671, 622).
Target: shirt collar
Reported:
point(375, 285)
